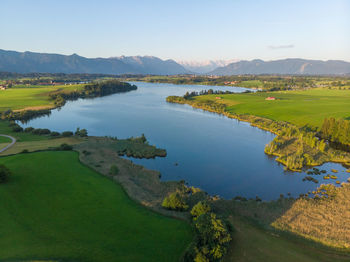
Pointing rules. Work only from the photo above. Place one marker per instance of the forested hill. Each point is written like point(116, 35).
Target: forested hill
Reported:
point(285, 67)
point(28, 62)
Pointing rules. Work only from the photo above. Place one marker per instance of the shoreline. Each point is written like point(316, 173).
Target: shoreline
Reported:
point(58, 98)
point(262, 123)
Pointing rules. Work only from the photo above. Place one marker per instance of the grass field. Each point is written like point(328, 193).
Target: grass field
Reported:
point(31, 97)
point(252, 244)
point(251, 83)
point(4, 140)
point(5, 129)
point(327, 222)
point(297, 107)
point(53, 207)
point(32, 146)
point(141, 184)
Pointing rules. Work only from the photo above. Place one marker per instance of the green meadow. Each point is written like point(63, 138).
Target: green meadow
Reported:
point(4, 140)
point(298, 107)
point(55, 208)
point(31, 97)
point(5, 129)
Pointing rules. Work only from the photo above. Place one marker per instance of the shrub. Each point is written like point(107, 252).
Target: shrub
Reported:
point(40, 131)
point(55, 134)
point(17, 128)
point(65, 147)
point(114, 170)
point(86, 153)
point(67, 133)
point(199, 209)
point(4, 174)
point(29, 129)
point(81, 132)
point(25, 151)
point(175, 202)
point(12, 123)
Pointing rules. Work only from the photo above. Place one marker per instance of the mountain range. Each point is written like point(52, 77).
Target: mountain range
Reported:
point(203, 67)
point(29, 62)
point(291, 66)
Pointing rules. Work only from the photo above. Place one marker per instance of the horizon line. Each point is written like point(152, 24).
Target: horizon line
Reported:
point(176, 60)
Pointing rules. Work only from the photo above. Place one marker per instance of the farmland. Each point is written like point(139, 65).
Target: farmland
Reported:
point(64, 210)
point(35, 97)
point(307, 107)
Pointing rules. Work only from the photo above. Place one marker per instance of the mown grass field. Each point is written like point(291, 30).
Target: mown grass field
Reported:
point(297, 107)
point(31, 97)
point(55, 208)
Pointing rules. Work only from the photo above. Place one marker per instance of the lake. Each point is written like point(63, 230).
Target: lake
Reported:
point(222, 156)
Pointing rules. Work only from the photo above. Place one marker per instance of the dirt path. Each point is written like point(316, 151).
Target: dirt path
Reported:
point(9, 145)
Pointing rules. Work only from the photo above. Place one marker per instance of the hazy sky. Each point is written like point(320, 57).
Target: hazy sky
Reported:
point(181, 30)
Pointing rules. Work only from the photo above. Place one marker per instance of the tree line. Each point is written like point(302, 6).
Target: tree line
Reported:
point(208, 92)
point(92, 90)
point(336, 131)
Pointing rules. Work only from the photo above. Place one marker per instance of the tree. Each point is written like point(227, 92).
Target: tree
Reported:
point(213, 236)
point(143, 138)
point(175, 201)
point(81, 132)
point(4, 174)
point(199, 209)
point(200, 257)
point(67, 133)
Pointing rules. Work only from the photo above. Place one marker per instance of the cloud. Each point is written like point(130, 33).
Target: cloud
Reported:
point(280, 46)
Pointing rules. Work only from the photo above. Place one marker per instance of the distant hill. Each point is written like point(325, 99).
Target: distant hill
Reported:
point(203, 67)
point(285, 66)
point(28, 62)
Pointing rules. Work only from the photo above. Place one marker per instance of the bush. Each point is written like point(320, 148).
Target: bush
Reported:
point(67, 134)
point(86, 153)
point(4, 174)
point(199, 209)
point(114, 170)
point(65, 147)
point(55, 134)
point(81, 132)
point(175, 202)
point(40, 131)
point(17, 128)
point(29, 129)
point(12, 123)
point(24, 151)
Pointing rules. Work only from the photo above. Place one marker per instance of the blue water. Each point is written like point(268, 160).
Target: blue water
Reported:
point(222, 156)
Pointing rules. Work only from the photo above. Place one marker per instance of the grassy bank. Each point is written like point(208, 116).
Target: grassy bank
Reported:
point(264, 82)
point(141, 184)
point(30, 102)
point(308, 107)
point(323, 219)
point(287, 116)
point(6, 129)
point(32, 97)
point(56, 208)
point(253, 244)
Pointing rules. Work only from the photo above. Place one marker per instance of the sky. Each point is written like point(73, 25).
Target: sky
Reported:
point(193, 30)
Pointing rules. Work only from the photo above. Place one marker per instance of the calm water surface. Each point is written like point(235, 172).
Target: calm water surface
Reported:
point(220, 155)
